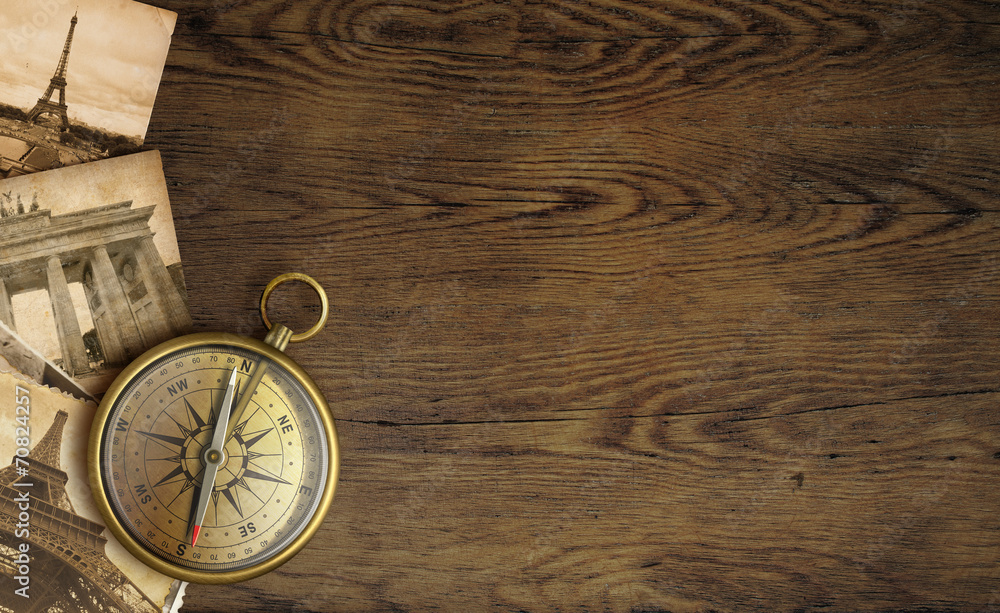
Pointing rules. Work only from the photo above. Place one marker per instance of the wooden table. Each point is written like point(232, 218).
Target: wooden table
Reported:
point(638, 306)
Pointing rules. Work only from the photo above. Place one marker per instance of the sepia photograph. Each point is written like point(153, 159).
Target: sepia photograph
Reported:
point(90, 273)
point(77, 80)
point(59, 559)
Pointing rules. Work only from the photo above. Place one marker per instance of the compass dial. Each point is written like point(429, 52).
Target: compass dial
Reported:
point(276, 465)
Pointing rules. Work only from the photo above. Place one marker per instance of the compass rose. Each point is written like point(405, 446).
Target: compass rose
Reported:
point(174, 455)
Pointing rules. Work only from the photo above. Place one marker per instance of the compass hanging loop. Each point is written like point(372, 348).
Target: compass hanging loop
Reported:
point(279, 334)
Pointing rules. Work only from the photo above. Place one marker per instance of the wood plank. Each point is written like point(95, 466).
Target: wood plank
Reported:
point(663, 153)
point(719, 509)
point(637, 306)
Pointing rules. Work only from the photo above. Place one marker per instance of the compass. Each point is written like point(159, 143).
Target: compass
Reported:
point(213, 457)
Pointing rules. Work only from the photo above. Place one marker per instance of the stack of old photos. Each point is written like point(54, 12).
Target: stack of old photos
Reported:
point(90, 277)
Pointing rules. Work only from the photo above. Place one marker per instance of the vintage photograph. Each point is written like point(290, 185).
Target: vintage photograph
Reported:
point(77, 80)
point(59, 559)
point(90, 273)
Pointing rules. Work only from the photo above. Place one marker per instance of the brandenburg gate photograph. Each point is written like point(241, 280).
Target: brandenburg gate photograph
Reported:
point(93, 278)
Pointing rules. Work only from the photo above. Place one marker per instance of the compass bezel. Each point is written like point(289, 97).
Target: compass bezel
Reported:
point(100, 474)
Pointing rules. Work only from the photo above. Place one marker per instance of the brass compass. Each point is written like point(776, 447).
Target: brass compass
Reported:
point(213, 457)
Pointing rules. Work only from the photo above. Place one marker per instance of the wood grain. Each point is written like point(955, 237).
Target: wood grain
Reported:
point(638, 306)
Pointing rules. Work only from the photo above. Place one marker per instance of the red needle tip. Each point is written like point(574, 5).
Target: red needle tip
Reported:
point(194, 535)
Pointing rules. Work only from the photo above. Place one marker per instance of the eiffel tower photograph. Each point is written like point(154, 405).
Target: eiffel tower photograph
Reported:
point(68, 567)
point(77, 80)
point(45, 105)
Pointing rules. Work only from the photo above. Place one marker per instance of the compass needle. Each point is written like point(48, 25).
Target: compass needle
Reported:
point(213, 457)
point(256, 376)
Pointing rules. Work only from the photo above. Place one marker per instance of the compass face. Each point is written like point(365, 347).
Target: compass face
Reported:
point(270, 482)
